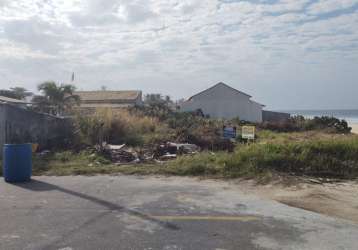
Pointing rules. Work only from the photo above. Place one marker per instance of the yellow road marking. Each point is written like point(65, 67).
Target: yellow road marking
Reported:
point(243, 218)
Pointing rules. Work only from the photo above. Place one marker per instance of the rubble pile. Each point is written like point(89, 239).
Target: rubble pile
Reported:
point(170, 150)
point(121, 154)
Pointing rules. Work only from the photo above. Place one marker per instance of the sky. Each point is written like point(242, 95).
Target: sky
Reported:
point(287, 54)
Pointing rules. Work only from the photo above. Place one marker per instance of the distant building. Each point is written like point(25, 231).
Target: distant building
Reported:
point(110, 99)
point(12, 101)
point(223, 101)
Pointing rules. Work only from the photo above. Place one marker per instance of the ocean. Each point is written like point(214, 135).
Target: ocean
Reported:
point(351, 116)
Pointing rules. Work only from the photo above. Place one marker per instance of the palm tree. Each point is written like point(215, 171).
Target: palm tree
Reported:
point(57, 97)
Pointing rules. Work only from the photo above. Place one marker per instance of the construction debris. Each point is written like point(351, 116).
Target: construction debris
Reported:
point(121, 154)
point(167, 157)
point(118, 154)
point(184, 148)
point(170, 150)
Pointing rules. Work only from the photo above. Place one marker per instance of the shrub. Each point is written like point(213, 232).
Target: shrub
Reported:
point(299, 123)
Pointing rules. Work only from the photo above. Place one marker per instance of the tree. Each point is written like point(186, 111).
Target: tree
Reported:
point(157, 99)
point(56, 98)
point(21, 92)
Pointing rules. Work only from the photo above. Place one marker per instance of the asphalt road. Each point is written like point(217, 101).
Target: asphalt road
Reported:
point(121, 212)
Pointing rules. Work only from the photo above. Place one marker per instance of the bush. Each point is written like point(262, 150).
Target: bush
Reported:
point(190, 127)
point(299, 123)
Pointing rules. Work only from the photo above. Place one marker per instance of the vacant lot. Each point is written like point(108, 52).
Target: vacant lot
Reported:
point(312, 154)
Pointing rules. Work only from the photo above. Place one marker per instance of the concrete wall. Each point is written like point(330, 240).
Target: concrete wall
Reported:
point(225, 102)
point(19, 125)
point(271, 116)
point(2, 127)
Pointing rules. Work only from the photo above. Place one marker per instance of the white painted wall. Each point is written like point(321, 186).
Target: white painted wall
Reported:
point(256, 111)
point(222, 101)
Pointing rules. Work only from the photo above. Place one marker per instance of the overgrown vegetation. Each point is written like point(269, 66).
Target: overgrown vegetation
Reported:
point(336, 158)
point(299, 123)
point(119, 127)
point(314, 154)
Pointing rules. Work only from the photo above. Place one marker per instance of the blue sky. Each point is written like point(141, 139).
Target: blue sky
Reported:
point(287, 54)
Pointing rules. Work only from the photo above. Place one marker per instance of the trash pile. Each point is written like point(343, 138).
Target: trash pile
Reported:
point(171, 150)
point(121, 154)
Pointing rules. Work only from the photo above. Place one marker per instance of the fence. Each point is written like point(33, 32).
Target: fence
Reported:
point(19, 125)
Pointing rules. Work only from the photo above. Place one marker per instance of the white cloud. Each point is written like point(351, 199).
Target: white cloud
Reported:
point(146, 43)
point(326, 6)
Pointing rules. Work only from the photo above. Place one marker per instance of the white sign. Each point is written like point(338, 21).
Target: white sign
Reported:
point(248, 132)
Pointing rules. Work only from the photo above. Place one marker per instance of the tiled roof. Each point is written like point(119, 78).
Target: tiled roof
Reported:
point(127, 95)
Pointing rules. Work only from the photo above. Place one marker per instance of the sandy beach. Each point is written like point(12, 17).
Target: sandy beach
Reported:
point(354, 128)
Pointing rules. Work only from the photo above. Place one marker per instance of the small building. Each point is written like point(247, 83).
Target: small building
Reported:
point(110, 99)
point(223, 101)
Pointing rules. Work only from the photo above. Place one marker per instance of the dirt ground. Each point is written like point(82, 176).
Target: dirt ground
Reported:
point(338, 199)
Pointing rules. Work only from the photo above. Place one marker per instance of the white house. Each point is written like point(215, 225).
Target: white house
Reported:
point(223, 101)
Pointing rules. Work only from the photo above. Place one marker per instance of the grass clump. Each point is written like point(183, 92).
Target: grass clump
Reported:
point(313, 158)
point(68, 163)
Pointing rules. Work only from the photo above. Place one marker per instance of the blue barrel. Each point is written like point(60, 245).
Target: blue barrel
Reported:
point(17, 162)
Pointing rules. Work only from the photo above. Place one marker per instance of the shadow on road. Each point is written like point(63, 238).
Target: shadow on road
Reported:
point(40, 186)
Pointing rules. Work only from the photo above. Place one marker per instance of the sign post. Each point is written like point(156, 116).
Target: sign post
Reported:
point(229, 132)
point(248, 132)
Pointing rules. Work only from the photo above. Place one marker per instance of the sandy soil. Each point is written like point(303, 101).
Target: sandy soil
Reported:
point(354, 128)
point(338, 200)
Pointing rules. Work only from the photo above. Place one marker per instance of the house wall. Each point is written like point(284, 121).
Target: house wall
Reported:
point(224, 102)
point(256, 112)
point(19, 125)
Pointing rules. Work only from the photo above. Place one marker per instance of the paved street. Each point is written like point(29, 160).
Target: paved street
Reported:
point(127, 212)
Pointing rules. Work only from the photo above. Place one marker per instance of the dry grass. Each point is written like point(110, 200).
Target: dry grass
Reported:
point(267, 136)
point(118, 126)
